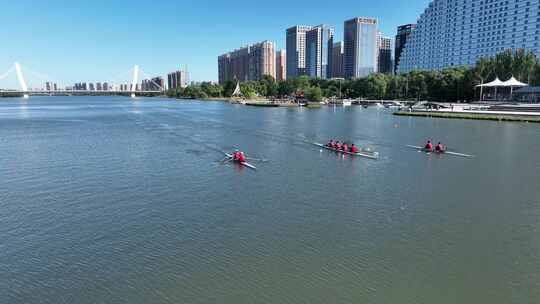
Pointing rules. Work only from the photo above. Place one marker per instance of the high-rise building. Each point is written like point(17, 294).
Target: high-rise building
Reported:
point(234, 65)
point(451, 33)
point(224, 68)
point(98, 86)
point(47, 86)
point(177, 79)
point(248, 63)
point(91, 87)
point(360, 47)
point(296, 50)
point(403, 33)
point(105, 86)
point(262, 60)
point(182, 78)
point(281, 65)
point(319, 43)
point(157, 84)
point(171, 81)
point(337, 60)
point(384, 60)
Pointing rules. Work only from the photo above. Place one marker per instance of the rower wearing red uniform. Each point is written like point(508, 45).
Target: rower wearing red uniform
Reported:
point(330, 144)
point(353, 149)
point(241, 157)
point(345, 147)
point(439, 147)
point(338, 146)
point(429, 146)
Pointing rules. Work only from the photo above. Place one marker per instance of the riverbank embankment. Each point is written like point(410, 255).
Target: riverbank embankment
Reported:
point(478, 115)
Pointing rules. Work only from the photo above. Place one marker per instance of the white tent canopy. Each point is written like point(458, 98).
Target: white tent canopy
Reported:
point(512, 82)
point(495, 83)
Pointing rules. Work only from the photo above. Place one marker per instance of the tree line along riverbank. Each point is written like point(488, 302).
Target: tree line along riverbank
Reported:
point(448, 85)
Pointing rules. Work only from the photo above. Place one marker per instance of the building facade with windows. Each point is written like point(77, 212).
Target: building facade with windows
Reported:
point(281, 65)
point(177, 79)
point(296, 50)
point(384, 61)
point(337, 60)
point(403, 33)
point(360, 47)
point(459, 32)
point(248, 63)
point(319, 43)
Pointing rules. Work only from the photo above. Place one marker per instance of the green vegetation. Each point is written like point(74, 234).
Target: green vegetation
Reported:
point(448, 85)
point(314, 94)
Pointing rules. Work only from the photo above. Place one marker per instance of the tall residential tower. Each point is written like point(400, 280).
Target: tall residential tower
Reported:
point(296, 50)
point(360, 47)
point(319, 43)
point(248, 63)
point(384, 61)
point(403, 33)
point(281, 65)
point(337, 60)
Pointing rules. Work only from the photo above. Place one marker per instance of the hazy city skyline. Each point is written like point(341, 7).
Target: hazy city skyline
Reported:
point(100, 40)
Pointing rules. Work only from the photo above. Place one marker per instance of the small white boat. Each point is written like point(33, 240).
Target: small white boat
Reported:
point(347, 103)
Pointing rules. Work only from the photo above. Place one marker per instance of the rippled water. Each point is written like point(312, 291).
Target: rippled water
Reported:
point(105, 200)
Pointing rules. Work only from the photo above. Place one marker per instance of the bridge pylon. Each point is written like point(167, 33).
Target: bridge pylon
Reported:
point(22, 82)
point(135, 79)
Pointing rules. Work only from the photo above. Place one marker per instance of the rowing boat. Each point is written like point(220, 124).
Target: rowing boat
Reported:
point(245, 164)
point(440, 152)
point(362, 153)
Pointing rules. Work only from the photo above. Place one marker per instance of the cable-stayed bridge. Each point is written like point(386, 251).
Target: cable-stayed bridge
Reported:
point(119, 85)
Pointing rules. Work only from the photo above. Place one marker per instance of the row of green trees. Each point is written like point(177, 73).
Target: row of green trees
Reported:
point(449, 85)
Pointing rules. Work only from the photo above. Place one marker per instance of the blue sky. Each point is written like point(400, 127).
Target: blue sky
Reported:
point(99, 40)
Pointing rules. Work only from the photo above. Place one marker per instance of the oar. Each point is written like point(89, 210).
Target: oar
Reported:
point(256, 159)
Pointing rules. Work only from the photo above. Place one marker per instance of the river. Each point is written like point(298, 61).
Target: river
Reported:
point(109, 200)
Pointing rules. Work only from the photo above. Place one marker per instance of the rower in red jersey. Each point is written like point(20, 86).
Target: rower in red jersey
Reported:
point(353, 149)
point(440, 148)
point(429, 146)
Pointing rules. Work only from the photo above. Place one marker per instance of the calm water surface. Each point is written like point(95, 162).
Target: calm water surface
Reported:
point(106, 200)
